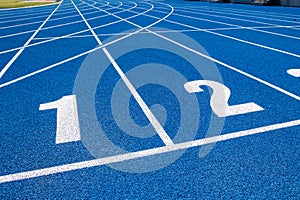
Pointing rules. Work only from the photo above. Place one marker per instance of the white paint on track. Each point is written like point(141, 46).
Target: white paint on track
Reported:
point(146, 28)
point(144, 153)
point(236, 25)
point(56, 26)
point(168, 31)
point(7, 66)
point(215, 60)
point(79, 32)
point(153, 120)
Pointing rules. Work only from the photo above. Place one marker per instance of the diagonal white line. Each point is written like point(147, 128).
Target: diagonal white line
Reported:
point(144, 153)
point(153, 120)
point(7, 66)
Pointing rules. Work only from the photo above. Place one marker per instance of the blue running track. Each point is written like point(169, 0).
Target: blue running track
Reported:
point(165, 99)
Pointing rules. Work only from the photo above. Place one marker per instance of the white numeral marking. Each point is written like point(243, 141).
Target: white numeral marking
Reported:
point(67, 129)
point(294, 72)
point(219, 99)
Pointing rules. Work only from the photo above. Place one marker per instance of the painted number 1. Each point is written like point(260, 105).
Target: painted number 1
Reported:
point(67, 129)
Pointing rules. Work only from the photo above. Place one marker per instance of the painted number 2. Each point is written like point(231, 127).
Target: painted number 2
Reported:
point(219, 99)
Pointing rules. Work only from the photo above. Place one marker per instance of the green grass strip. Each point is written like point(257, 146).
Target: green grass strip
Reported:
point(20, 3)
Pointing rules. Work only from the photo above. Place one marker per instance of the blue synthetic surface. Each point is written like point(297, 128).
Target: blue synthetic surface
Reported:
point(261, 166)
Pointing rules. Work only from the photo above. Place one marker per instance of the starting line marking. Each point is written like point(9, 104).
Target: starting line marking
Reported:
point(141, 154)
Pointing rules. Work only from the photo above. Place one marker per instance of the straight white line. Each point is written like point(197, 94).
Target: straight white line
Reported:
point(25, 45)
point(215, 60)
point(140, 154)
point(153, 120)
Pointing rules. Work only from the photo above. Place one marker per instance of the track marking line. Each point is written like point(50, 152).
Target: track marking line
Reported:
point(249, 16)
point(150, 116)
point(190, 49)
point(217, 61)
point(266, 14)
point(51, 27)
point(229, 37)
point(243, 11)
point(7, 66)
point(32, 18)
point(71, 34)
point(140, 154)
point(169, 31)
point(242, 27)
point(35, 22)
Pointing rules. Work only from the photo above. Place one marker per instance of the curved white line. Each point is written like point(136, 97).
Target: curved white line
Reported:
point(65, 36)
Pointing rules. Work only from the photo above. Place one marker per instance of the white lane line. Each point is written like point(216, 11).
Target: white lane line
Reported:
point(265, 14)
point(75, 33)
point(35, 22)
point(50, 20)
point(50, 27)
point(229, 37)
point(215, 60)
point(237, 39)
point(236, 25)
point(192, 50)
point(239, 17)
point(36, 15)
point(153, 120)
point(243, 17)
point(31, 18)
point(7, 66)
point(140, 154)
point(243, 11)
point(163, 31)
point(18, 15)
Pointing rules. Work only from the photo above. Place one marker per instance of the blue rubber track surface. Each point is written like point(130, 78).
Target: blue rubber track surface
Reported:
point(73, 48)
